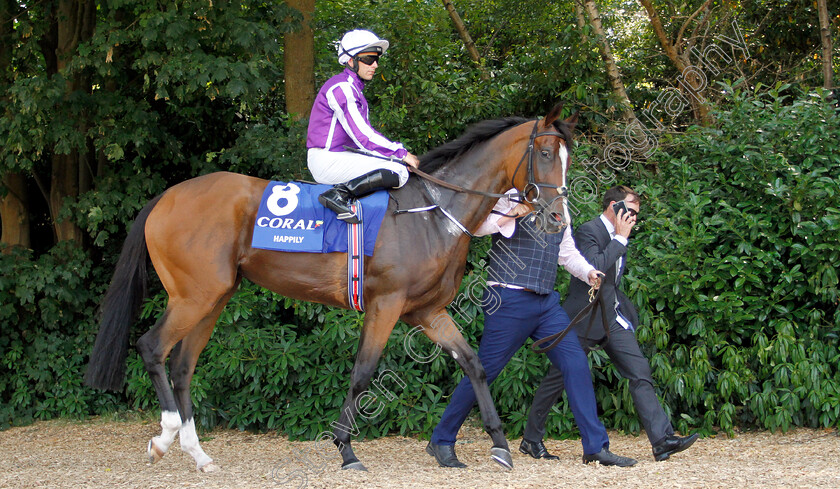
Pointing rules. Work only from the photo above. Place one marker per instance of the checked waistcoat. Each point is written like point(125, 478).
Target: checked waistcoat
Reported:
point(527, 259)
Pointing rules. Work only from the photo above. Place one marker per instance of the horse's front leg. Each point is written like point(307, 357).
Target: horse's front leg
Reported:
point(380, 317)
point(441, 329)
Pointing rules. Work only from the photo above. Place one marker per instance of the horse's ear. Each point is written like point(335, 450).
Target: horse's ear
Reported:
point(572, 120)
point(553, 115)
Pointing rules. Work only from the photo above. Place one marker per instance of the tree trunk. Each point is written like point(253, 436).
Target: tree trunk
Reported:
point(14, 210)
point(465, 36)
point(825, 41)
point(691, 81)
point(581, 21)
point(75, 24)
point(299, 62)
point(7, 7)
point(606, 54)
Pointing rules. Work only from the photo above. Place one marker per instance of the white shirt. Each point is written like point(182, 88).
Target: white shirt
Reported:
point(619, 264)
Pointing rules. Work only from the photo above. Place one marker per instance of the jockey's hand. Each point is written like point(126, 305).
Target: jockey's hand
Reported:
point(411, 160)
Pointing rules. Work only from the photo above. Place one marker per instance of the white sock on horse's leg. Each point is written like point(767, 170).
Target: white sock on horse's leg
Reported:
point(170, 423)
point(189, 444)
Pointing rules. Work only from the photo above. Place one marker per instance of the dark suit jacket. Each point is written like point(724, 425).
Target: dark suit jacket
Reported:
point(594, 242)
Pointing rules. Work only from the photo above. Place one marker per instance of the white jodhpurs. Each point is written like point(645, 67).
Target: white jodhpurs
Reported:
point(331, 168)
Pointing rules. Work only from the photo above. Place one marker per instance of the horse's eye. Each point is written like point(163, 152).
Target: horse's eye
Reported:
point(546, 154)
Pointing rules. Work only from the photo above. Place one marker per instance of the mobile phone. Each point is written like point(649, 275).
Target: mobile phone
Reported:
point(619, 206)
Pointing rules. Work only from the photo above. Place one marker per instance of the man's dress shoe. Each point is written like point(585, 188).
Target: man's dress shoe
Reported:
point(606, 457)
point(536, 450)
point(444, 454)
point(672, 444)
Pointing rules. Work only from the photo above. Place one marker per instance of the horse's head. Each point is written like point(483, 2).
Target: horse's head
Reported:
point(541, 173)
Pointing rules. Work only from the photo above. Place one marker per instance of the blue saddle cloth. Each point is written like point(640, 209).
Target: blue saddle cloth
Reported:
point(290, 218)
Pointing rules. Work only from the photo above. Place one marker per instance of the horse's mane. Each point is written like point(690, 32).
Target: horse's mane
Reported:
point(478, 133)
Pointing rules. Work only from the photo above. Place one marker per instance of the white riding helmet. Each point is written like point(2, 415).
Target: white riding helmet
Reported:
point(359, 41)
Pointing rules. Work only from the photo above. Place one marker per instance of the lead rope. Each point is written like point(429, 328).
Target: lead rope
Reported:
point(589, 310)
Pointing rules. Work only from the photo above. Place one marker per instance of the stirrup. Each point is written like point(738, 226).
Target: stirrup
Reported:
point(349, 217)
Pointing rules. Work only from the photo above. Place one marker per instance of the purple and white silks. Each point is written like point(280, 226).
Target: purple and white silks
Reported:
point(340, 118)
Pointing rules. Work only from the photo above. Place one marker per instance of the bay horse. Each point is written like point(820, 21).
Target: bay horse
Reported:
point(198, 234)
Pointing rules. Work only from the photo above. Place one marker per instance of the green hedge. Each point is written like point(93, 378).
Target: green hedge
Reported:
point(736, 266)
point(732, 268)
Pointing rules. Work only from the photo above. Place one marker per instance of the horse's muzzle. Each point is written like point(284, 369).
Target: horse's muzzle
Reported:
point(551, 216)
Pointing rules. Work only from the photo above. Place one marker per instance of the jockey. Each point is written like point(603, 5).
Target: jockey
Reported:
point(339, 118)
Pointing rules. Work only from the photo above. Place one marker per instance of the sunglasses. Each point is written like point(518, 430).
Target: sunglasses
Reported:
point(369, 59)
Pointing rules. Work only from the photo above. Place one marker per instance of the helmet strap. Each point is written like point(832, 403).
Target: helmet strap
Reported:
point(355, 57)
point(355, 66)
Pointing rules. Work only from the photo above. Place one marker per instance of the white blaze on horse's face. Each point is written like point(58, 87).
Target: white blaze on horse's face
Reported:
point(565, 162)
point(564, 158)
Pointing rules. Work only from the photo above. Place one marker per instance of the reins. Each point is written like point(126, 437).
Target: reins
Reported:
point(521, 196)
point(420, 173)
point(529, 154)
point(426, 176)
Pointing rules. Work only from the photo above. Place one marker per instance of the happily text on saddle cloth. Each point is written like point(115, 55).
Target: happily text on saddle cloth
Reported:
point(290, 218)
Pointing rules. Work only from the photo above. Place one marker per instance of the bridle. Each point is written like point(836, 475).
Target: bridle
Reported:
point(532, 185)
point(529, 154)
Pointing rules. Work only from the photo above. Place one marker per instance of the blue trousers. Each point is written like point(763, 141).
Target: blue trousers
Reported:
point(521, 315)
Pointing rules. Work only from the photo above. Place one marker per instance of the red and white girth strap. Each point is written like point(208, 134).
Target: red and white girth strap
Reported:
point(356, 259)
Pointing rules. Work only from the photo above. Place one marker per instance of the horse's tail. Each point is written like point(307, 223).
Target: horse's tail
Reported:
point(120, 306)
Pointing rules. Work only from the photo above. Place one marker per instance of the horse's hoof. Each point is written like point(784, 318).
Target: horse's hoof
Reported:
point(502, 457)
point(356, 465)
point(155, 453)
point(209, 467)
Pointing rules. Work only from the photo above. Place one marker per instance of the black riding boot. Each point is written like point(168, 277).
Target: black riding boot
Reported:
point(339, 198)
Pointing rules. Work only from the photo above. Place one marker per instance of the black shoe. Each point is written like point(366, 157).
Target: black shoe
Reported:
point(338, 200)
point(672, 444)
point(536, 450)
point(606, 457)
point(445, 455)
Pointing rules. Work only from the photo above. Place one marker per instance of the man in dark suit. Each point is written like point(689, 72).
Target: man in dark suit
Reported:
point(603, 242)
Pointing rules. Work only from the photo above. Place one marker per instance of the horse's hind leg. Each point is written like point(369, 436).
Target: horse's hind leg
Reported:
point(154, 346)
point(441, 329)
point(180, 319)
point(380, 319)
point(182, 364)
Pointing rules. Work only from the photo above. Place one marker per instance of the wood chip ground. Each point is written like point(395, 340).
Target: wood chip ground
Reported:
point(111, 454)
